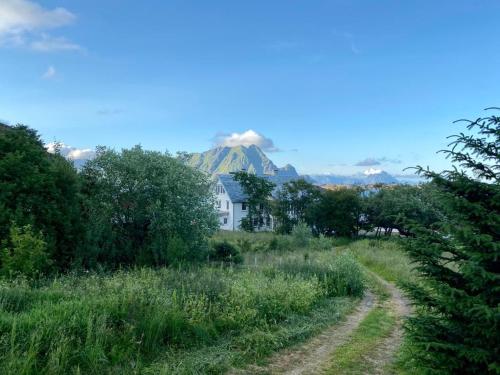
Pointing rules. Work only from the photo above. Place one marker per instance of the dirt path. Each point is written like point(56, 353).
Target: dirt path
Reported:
point(311, 357)
point(383, 355)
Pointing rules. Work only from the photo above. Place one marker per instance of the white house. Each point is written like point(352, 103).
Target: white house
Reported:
point(231, 202)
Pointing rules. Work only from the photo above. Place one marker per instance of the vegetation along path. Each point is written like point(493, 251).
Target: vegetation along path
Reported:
point(366, 342)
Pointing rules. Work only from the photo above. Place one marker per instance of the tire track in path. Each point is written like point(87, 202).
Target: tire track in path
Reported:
point(310, 357)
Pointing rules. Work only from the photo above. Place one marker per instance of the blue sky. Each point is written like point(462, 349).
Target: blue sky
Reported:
point(324, 85)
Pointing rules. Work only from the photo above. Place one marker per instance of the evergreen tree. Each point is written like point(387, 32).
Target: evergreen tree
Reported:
point(455, 328)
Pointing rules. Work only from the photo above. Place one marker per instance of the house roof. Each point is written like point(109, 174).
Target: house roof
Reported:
point(235, 191)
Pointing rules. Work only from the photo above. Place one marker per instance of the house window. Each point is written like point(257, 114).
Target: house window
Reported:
point(268, 221)
point(225, 220)
point(227, 205)
point(261, 206)
point(218, 204)
point(243, 206)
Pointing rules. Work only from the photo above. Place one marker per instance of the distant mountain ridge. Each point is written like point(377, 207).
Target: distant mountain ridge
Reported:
point(378, 177)
point(223, 160)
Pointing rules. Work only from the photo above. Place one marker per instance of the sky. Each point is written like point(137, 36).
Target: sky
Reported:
point(332, 86)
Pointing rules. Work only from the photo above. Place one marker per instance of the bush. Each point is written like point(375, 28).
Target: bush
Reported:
point(301, 234)
point(225, 252)
point(27, 254)
point(322, 243)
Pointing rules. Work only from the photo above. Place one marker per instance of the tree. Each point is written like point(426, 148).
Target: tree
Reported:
point(337, 212)
point(394, 207)
point(292, 203)
point(258, 191)
point(145, 207)
point(41, 190)
point(455, 327)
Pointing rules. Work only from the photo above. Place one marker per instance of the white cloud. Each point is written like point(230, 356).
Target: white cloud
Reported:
point(247, 138)
point(49, 73)
point(22, 23)
point(48, 43)
point(69, 152)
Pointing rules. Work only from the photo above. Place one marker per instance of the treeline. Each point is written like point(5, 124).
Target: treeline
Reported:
point(133, 207)
point(344, 212)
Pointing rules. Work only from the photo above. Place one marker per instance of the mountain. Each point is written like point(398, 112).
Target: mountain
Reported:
point(222, 160)
point(369, 177)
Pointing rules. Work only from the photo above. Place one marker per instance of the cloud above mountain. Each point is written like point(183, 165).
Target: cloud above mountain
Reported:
point(24, 23)
point(371, 162)
point(69, 152)
point(247, 138)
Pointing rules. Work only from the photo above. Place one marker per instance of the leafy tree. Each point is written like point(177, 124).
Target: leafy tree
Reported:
point(27, 254)
point(259, 192)
point(292, 203)
point(456, 325)
point(337, 212)
point(41, 190)
point(393, 207)
point(145, 207)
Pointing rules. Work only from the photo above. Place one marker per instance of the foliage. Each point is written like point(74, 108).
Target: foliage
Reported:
point(301, 234)
point(138, 202)
point(259, 191)
point(337, 213)
point(225, 252)
point(41, 190)
point(27, 255)
point(396, 207)
point(292, 203)
point(455, 328)
point(342, 277)
point(150, 320)
point(386, 258)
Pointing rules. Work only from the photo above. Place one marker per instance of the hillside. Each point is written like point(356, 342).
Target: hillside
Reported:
point(232, 159)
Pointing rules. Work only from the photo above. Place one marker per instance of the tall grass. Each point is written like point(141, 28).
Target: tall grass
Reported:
point(385, 258)
point(123, 322)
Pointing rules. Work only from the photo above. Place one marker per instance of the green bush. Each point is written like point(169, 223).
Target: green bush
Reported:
point(27, 254)
point(225, 252)
point(321, 243)
point(301, 234)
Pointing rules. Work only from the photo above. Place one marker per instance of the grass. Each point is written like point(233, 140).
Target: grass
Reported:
point(183, 320)
point(385, 258)
point(350, 358)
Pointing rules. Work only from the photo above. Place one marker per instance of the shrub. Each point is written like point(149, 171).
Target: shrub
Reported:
point(321, 243)
point(27, 254)
point(225, 252)
point(301, 234)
